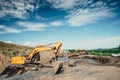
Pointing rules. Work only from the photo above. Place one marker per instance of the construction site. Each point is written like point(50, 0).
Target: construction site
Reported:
point(46, 62)
point(59, 39)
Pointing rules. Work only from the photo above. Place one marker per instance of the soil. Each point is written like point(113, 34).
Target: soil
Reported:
point(83, 70)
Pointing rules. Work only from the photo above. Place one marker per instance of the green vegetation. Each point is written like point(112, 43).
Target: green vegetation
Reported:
point(72, 50)
point(11, 53)
point(105, 51)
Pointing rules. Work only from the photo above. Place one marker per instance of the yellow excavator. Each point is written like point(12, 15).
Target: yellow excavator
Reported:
point(35, 59)
point(74, 54)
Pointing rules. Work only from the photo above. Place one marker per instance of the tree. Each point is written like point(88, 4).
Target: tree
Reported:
point(119, 47)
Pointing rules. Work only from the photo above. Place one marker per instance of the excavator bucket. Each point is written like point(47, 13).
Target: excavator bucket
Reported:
point(12, 70)
point(57, 66)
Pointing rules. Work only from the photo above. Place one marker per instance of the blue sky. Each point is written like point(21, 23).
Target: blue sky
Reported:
point(85, 24)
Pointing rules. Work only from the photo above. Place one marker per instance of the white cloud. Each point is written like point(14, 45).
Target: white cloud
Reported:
point(82, 12)
point(31, 43)
point(17, 8)
point(56, 23)
point(82, 17)
point(8, 41)
point(30, 26)
point(6, 29)
point(62, 4)
point(69, 4)
point(109, 42)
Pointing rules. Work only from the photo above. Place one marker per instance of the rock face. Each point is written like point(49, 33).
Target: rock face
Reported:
point(4, 62)
point(72, 63)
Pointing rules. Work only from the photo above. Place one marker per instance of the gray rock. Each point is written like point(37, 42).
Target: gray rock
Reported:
point(72, 63)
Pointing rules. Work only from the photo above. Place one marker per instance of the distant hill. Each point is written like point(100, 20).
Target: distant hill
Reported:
point(4, 45)
point(11, 50)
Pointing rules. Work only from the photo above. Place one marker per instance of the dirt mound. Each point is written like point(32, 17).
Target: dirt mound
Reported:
point(4, 46)
point(108, 60)
point(4, 62)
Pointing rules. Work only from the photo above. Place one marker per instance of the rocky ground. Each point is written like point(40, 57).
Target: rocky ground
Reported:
point(84, 70)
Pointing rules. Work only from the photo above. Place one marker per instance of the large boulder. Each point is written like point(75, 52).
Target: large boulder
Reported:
point(72, 63)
